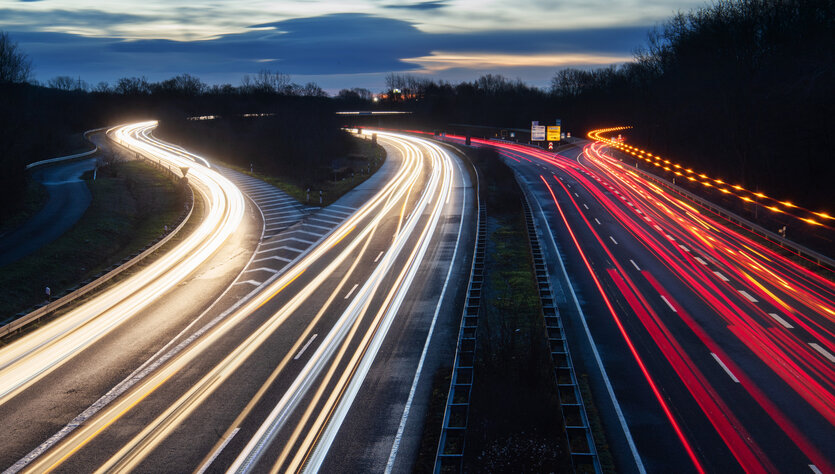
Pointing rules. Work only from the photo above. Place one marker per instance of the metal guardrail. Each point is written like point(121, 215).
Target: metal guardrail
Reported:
point(68, 157)
point(450, 454)
point(773, 237)
point(578, 433)
point(72, 294)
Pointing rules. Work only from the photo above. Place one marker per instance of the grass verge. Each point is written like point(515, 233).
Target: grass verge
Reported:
point(515, 423)
point(34, 200)
point(131, 203)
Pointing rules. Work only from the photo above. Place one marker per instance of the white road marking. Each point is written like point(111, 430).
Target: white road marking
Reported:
point(613, 240)
point(657, 227)
point(209, 461)
point(748, 296)
point(815, 469)
point(780, 320)
point(576, 195)
point(378, 257)
point(251, 282)
point(352, 291)
point(701, 261)
point(725, 367)
point(635, 265)
point(668, 303)
point(305, 347)
point(274, 257)
point(721, 276)
point(823, 351)
point(598, 222)
point(684, 248)
point(584, 205)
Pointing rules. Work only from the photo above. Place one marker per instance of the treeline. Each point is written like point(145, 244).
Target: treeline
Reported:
point(742, 90)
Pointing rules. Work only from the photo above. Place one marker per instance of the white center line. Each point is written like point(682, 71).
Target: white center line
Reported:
point(668, 303)
point(780, 320)
point(613, 240)
point(725, 367)
point(823, 351)
point(378, 257)
point(635, 265)
point(305, 347)
point(721, 276)
point(748, 296)
point(701, 261)
point(598, 222)
point(352, 290)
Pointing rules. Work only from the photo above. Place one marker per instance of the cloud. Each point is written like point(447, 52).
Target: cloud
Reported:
point(336, 45)
point(430, 5)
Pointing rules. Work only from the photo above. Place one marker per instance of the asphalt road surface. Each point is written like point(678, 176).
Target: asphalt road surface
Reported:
point(302, 329)
point(706, 351)
point(68, 199)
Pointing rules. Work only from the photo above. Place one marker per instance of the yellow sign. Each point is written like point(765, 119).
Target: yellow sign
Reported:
point(553, 133)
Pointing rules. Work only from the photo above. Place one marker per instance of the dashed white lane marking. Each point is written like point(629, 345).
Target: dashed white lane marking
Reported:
point(251, 282)
point(780, 320)
point(668, 303)
point(613, 240)
point(576, 195)
point(815, 469)
point(747, 296)
point(635, 265)
point(725, 367)
point(823, 351)
point(352, 291)
point(209, 461)
point(378, 257)
point(721, 276)
point(584, 205)
point(598, 222)
point(310, 341)
point(700, 261)
point(670, 238)
point(682, 247)
point(657, 227)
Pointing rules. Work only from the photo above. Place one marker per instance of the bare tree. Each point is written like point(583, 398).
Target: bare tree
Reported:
point(15, 65)
point(64, 83)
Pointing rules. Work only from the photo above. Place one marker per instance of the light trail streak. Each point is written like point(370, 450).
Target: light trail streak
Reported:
point(29, 359)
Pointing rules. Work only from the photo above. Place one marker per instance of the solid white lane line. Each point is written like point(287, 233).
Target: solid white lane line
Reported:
point(700, 261)
point(613, 240)
point(780, 320)
point(598, 222)
point(725, 367)
point(823, 351)
point(635, 265)
point(721, 276)
point(748, 296)
point(668, 303)
point(352, 291)
point(304, 348)
point(584, 205)
point(378, 256)
point(209, 461)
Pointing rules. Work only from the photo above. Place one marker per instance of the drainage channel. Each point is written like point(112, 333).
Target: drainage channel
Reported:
point(450, 454)
point(577, 430)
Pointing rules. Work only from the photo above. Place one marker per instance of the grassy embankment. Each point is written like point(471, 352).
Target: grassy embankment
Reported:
point(131, 203)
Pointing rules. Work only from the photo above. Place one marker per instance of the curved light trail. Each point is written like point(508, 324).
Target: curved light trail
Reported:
point(402, 219)
point(728, 307)
point(33, 356)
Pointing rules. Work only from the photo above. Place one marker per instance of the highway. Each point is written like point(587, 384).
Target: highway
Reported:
point(265, 378)
point(706, 350)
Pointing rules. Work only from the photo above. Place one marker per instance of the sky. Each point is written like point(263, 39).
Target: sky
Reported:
point(337, 44)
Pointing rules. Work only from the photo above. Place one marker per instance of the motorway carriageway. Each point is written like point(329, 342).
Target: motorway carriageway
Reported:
point(267, 384)
point(716, 352)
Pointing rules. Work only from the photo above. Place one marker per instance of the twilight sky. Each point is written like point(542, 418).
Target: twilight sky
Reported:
point(338, 44)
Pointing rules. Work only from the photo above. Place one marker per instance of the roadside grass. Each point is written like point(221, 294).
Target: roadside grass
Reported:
point(366, 160)
point(515, 423)
point(131, 203)
point(34, 200)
